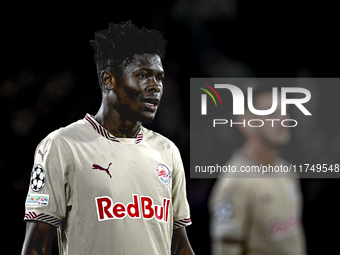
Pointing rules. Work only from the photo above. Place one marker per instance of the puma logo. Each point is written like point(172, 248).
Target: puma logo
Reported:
point(94, 166)
point(42, 154)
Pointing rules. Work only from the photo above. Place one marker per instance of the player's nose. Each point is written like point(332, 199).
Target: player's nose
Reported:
point(153, 85)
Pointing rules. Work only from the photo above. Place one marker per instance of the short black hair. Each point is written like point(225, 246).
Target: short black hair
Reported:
point(115, 47)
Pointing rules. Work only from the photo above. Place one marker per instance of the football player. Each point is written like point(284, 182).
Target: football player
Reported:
point(254, 213)
point(105, 182)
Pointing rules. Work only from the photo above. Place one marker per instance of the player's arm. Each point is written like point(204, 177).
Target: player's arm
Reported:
point(231, 206)
point(38, 238)
point(228, 245)
point(180, 243)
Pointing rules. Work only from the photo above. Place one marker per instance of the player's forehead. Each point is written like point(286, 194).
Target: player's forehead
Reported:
point(145, 62)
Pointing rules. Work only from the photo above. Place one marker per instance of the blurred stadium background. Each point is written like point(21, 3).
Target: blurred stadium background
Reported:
point(48, 80)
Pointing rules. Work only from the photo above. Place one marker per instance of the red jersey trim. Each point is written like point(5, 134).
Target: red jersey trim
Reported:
point(103, 132)
point(182, 223)
point(42, 217)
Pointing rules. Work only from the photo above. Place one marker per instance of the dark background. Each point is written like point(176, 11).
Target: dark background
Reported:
point(48, 80)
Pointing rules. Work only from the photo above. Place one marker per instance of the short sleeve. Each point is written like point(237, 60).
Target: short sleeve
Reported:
point(49, 193)
point(181, 211)
point(230, 209)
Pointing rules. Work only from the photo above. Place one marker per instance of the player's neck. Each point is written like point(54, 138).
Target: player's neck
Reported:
point(260, 151)
point(113, 122)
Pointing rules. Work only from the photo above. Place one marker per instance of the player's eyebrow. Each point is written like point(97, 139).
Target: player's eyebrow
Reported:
point(150, 70)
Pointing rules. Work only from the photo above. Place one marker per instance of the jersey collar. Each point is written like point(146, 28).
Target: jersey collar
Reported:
point(103, 132)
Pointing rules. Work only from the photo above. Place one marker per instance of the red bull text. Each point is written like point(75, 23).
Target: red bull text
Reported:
point(142, 207)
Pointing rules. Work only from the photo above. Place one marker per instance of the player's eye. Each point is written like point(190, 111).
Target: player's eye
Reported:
point(160, 77)
point(142, 75)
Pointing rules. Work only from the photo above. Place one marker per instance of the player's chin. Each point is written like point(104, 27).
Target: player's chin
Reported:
point(147, 116)
point(280, 141)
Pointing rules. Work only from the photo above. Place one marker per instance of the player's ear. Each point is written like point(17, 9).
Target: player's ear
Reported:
point(108, 80)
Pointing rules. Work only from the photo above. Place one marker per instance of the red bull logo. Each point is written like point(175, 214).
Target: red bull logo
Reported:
point(163, 174)
point(280, 229)
point(142, 207)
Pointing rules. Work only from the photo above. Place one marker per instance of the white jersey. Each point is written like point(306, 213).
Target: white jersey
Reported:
point(108, 195)
point(256, 216)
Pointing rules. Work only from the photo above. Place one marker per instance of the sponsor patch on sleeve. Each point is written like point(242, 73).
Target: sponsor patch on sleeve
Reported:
point(41, 199)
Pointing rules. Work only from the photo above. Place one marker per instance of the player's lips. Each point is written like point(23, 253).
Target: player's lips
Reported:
point(151, 102)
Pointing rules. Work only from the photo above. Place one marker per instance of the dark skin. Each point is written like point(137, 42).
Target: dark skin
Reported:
point(39, 237)
point(126, 103)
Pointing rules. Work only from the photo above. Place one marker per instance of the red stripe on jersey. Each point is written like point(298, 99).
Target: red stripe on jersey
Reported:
point(182, 223)
point(42, 217)
point(103, 132)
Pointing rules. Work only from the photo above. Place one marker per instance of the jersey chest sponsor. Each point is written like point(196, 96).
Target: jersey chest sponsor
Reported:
point(142, 207)
point(283, 228)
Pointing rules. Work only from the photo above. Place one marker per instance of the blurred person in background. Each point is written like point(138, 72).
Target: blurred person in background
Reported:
point(260, 214)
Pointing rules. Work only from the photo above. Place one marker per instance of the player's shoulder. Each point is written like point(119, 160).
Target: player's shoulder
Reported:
point(156, 139)
point(67, 133)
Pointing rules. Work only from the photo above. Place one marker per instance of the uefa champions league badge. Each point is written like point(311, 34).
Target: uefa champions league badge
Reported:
point(163, 174)
point(38, 178)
